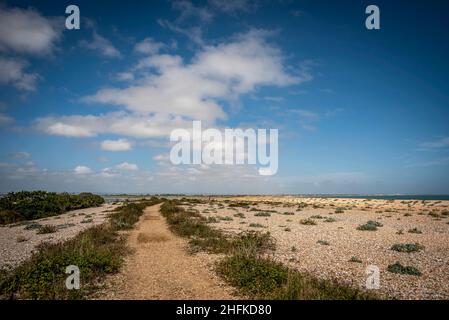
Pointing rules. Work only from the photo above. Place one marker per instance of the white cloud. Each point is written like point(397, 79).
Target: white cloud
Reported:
point(149, 46)
point(224, 71)
point(21, 155)
point(436, 144)
point(101, 45)
point(125, 76)
point(116, 145)
point(233, 6)
point(188, 10)
point(5, 119)
point(26, 31)
point(120, 123)
point(82, 170)
point(12, 71)
point(125, 166)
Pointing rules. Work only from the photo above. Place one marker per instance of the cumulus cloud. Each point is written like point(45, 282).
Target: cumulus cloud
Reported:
point(149, 46)
point(26, 31)
point(101, 45)
point(116, 145)
point(12, 71)
point(125, 166)
point(82, 170)
point(120, 123)
point(192, 90)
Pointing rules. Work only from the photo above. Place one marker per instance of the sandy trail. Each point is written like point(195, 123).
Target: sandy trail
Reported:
point(160, 268)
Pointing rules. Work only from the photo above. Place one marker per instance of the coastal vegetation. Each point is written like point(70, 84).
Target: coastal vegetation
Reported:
point(30, 205)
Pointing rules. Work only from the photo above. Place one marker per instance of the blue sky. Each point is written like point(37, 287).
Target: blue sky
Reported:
point(358, 111)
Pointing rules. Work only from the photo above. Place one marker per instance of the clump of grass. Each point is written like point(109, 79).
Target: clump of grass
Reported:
point(435, 215)
point(400, 232)
point(323, 242)
point(256, 225)
point(287, 229)
point(316, 217)
point(21, 239)
point(286, 213)
point(370, 226)
point(294, 249)
point(355, 259)
point(239, 205)
point(226, 218)
point(212, 220)
point(308, 222)
point(400, 269)
point(339, 210)
point(262, 214)
point(89, 220)
point(47, 229)
point(407, 247)
point(262, 278)
point(407, 214)
point(33, 226)
point(239, 215)
point(330, 220)
point(415, 230)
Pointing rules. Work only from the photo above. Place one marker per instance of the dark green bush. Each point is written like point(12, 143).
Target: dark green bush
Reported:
point(400, 269)
point(32, 205)
point(407, 247)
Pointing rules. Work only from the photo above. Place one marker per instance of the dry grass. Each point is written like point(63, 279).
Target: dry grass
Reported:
point(146, 238)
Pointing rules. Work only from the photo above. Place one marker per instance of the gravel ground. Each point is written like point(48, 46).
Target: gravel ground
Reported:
point(18, 243)
point(297, 244)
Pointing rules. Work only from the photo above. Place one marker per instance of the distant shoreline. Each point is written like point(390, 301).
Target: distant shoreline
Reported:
point(338, 196)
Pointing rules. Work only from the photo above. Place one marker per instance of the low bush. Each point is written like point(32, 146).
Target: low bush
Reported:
point(407, 247)
point(25, 205)
point(307, 222)
point(400, 269)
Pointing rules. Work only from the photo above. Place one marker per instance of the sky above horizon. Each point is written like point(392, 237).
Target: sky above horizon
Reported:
point(358, 111)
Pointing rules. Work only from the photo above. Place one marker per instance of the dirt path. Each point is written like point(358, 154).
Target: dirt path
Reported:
point(161, 268)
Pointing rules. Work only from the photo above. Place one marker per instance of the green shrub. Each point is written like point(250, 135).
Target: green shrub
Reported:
point(25, 205)
point(262, 214)
point(323, 242)
point(286, 213)
point(256, 225)
point(307, 222)
point(399, 268)
point(46, 229)
point(408, 247)
point(415, 230)
point(355, 259)
point(370, 226)
point(262, 278)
